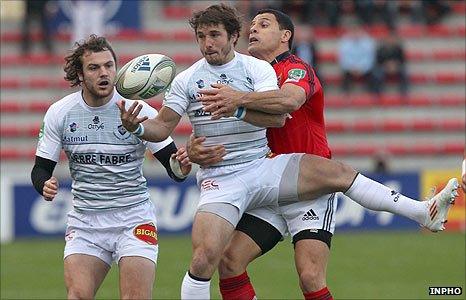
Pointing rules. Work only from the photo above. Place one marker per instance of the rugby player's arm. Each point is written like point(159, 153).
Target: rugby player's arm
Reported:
point(163, 156)
point(41, 172)
point(159, 128)
point(287, 99)
point(262, 119)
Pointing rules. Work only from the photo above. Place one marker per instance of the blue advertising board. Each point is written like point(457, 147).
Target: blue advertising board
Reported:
point(118, 14)
point(176, 204)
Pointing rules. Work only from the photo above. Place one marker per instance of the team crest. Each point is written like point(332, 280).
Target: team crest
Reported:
point(147, 233)
point(73, 127)
point(296, 74)
point(121, 133)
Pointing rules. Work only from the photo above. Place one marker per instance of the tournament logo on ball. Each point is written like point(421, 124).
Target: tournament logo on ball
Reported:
point(147, 233)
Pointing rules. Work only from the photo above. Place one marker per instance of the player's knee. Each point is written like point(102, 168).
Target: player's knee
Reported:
point(79, 293)
point(136, 294)
point(203, 259)
point(312, 279)
point(345, 174)
point(230, 265)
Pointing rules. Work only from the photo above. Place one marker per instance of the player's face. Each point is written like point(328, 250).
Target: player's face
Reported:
point(99, 74)
point(214, 43)
point(265, 36)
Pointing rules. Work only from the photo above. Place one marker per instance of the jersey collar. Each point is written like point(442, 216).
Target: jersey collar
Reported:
point(280, 57)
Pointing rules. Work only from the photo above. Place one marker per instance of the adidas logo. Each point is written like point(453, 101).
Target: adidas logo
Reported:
point(142, 65)
point(145, 66)
point(310, 215)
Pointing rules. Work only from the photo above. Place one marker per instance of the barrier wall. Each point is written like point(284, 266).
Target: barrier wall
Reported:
point(25, 214)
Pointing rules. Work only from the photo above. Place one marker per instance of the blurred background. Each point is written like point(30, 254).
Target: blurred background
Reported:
point(394, 83)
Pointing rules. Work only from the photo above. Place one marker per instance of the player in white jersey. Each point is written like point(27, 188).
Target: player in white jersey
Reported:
point(113, 219)
point(244, 180)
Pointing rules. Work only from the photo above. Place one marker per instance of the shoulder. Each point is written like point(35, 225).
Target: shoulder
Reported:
point(253, 62)
point(65, 104)
point(186, 74)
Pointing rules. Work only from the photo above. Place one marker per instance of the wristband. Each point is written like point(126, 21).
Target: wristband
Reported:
point(240, 113)
point(176, 168)
point(139, 131)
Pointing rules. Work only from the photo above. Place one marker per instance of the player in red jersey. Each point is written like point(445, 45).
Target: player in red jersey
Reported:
point(310, 223)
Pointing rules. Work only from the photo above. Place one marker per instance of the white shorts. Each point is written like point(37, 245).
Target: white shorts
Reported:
point(295, 217)
point(250, 185)
point(113, 234)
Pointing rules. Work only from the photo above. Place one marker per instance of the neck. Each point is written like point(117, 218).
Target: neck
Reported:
point(94, 101)
point(270, 56)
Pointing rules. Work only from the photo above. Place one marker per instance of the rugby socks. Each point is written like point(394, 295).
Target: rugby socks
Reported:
point(322, 294)
point(194, 287)
point(376, 196)
point(237, 288)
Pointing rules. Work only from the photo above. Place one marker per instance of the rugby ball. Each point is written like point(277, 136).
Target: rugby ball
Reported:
point(145, 76)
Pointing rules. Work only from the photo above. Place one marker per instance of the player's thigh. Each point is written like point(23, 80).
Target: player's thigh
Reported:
point(319, 176)
point(137, 276)
point(84, 274)
point(211, 233)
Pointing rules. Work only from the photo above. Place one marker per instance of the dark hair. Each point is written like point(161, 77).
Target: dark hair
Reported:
point(218, 14)
point(284, 21)
point(73, 61)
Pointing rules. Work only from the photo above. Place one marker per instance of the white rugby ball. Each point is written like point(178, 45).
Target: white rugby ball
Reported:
point(145, 76)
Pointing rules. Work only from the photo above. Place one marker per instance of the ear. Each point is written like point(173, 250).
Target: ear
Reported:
point(286, 36)
point(234, 38)
point(81, 76)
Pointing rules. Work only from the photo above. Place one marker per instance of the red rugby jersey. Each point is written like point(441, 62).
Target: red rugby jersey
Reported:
point(305, 132)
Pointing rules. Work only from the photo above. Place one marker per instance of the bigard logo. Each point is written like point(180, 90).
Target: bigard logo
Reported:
point(147, 233)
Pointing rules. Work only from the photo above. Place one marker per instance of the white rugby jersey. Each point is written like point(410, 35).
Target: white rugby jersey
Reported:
point(105, 160)
point(243, 142)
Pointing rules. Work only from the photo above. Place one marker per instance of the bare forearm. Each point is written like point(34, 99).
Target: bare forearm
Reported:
point(262, 119)
point(273, 102)
point(155, 131)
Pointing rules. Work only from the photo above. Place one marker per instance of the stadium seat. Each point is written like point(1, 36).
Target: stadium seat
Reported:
point(189, 58)
point(361, 101)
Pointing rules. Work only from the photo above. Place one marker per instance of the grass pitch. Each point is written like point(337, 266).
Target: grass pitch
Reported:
point(379, 265)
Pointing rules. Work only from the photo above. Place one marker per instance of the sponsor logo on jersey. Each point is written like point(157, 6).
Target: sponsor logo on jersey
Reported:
point(73, 127)
point(70, 235)
point(96, 125)
point(310, 215)
point(201, 113)
point(121, 133)
point(224, 79)
point(100, 159)
point(41, 131)
point(396, 194)
point(74, 139)
point(147, 233)
point(141, 65)
point(200, 83)
point(209, 184)
point(296, 74)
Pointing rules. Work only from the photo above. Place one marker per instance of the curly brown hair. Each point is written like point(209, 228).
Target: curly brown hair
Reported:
point(73, 62)
point(218, 14)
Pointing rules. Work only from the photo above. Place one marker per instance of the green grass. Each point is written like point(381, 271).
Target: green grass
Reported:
point(382, 265)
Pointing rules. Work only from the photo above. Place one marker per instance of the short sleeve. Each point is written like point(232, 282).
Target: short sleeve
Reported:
point(49, 142)
point(300, 75)
point(264, 76)
point(176, 96)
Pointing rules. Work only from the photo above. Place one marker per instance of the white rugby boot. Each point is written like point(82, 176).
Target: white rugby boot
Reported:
point(439, 205)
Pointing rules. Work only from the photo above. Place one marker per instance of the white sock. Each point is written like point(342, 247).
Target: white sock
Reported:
point(376, 196)
point(194, 289)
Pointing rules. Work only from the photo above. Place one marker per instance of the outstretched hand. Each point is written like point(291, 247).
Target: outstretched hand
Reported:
point(204, 155)
point(221, 101)
point(129, 118)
